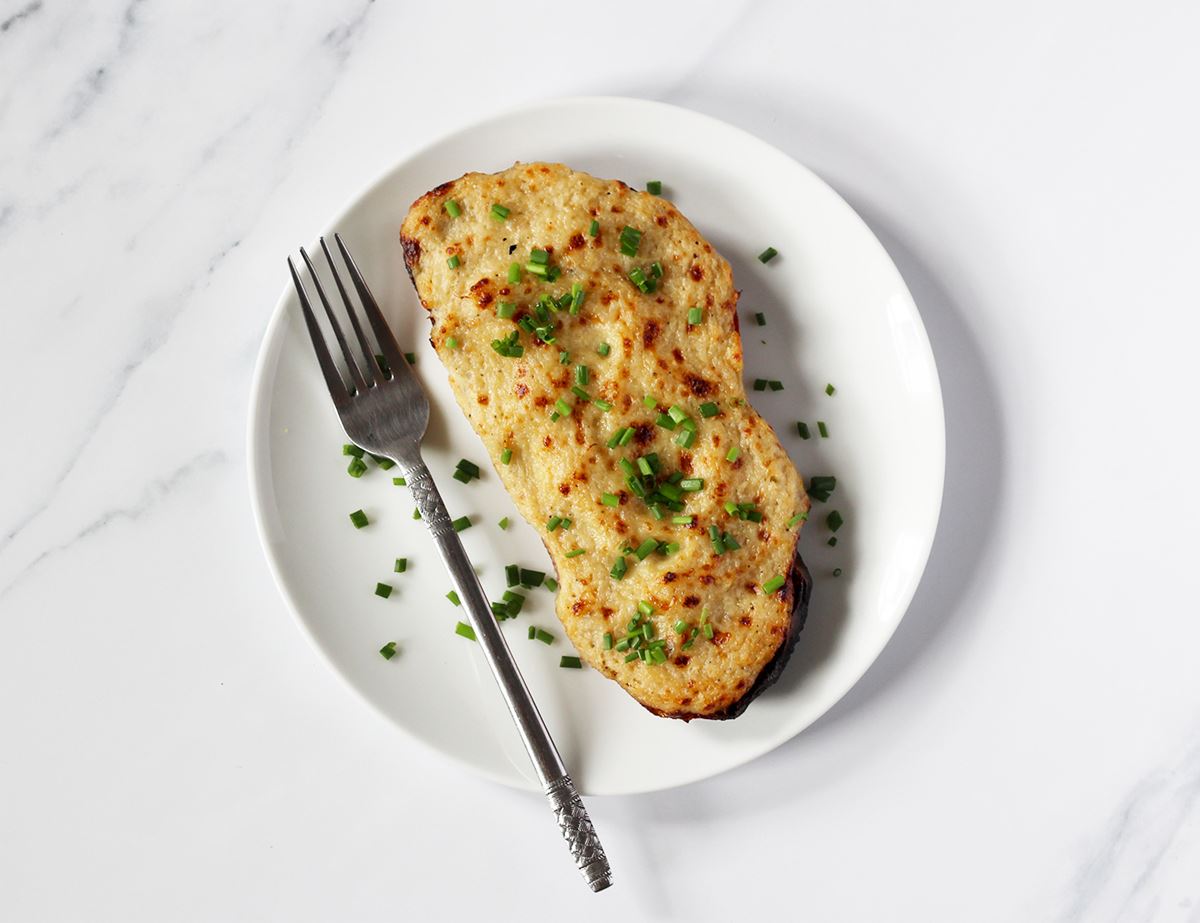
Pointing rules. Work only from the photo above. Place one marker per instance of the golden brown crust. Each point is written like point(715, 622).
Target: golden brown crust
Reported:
point(564, 467)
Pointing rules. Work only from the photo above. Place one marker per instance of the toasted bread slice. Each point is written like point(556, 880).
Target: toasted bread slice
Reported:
point(621, 538)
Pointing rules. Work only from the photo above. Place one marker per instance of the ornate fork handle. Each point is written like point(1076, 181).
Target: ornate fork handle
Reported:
point(568, 807)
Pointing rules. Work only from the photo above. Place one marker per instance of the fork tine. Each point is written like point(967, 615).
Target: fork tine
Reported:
point(355, 373)
point(383, 333)
point(352, 312)
point(333, 379)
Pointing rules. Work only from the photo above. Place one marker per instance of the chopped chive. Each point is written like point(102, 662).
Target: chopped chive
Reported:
point(359, 518)
point(532, 633)
point(513, 603)
point(691, 485)
point(544, 636)
point(575, 552)
point(551, 584)
point(630, 239)
point(645, 548)
point(649, 402)
point(832, 541)
point(461, 524)
point(512, 575)
point(834, 520)
point(773, 584)
point(795, 520)
point(452, 343)
point(452, 208)
point(453, 597)
point(603, 349)
point(562, 407)
point(357, 468)
point(607, 641)
point(603, 405)
point(354, 450)
point(383, 589)
point(570, 663)
point(820, 486)
point(615, 439)
point(822, 429)
point(506, 309)
point(531, 578)
point(468, 468)
point(644, 466)
point(685, 438)
point(645, 608)
point(714, 536)
point(656, 269)
point(593, 228)
point(503, 523)
point(401, 565)
point(654, 187)
point(399, 482)
point(733, 453)
point(506, 456)
point(626, 436)
point(464, 630)
point(499, 212)
point(539, 256)
point(767, 255)
point(677, 413)
point(453, 261)
point(670, 548)
point(830, 390)
point(664, 421)
point(760, 319)
point(760, 384)
point(383, 462)
point(629, 658)
point(618, 569)
point(707, 629)
point(682, 520)
point(388, 650)
point(802, 429)
point(581, 374)
point(564, 358)
point(729, 542)
point(514, 272)
point(680, 627)
point(553, 523)
point(695, 316)
point(709, 409)
point(610, 499)
point(566, 523)
point(580, 393)
point(416, 513)
point(837, 572)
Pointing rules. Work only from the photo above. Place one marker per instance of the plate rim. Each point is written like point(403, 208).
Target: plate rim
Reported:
point(257, 464)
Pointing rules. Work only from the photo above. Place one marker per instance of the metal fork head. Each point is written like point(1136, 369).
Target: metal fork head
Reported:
point(381, 403)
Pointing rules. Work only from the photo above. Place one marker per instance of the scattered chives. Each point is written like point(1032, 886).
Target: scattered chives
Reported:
point(626, 436)
point(832, 541)
point(383, 462)
point(566, 523)
point(837, 572)
point(665, 421)
point(388, 650)
point(461, 524)
point(506, 309)
point(630, 239)
point(610, 499)
point(514, 272)
point(570, 663)
point(575, 552)
point(691, 485)
point(359, 518)
point(695, 316)
point(767, 255)
point(593, 228)
point(603, 405)
point(383, 589)
point(709, 409)
point(499, 212)
point(656, 269)
point(581, 375)
point(453, 261)
point(775, 385)
point(512, 575)
point(531, 578)
point(607, 643)
point(773, 584)
point(803, 430)
point(452, 208)
point(453, 597)
point(401, 565)
point(357, 468)
point(465, 631)
point(682, 520)
point(353, 450)
point(654, 187)
point(822, 429)
point(503, 523)
point(797, 519)
point(562, 407)
point(830, 390)
point(506, 456)
point(580, 393)
point(551, 584)
point(531, 633)
point(618, 569)
point(834, 520)
point(761, 319)
point(542, 635)
point(399, 482)
point(733, 453)
point(603, 349)
point(452, 343)
point(820, 486)
point(553, 523)
point(707, 629)
point(760, 384)
point(680, 627)
point(686, 438)
point(645, 548)
point(649, 402)
point(416, 513)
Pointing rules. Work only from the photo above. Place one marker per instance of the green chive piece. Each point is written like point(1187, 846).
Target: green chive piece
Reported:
point(416, 514)
point(499, 212)
point(685, 438)
point(383, 462)
point(399, 482)
point(553, 523)
point(649, 402)
point(802, 429)
point(615, 439)
point(581, 374)
point(461, 524)
point(682, 520)
point(729, 542)
point(834, 520)
point(708, 630)
point(603, 349)
point(760, 319)
point(593, 228)
point(631, 657)
point(383, 589)
point(760, 384)
point(464, 630)
point(608, 641)
point(563, 408)
point(506, 456)
point(832, 541)
point(452, 343)
point(506, 309)
point(820, 486)
point(665, 421)
point(468, 468)
point(767, 255)
point(610, 499)
point(544, 636)
point(357, 468)
point(830, 390)
point(401, 565)
point(645, 548)
point(626, 436)
point(551, 584)
point(580, 393)
point(603, 405)
point(570, 663)
point(680, 627)
point(538, 269)
point(677, 413)
point(691, 485)
point(695, 316)
point(532, 578)
point(775, 385)
point(388, 650)
point(797, 519)
point(575, 552)
point(453, 261)
point(822, 429)
point(733, 453)
point(709, 409)
point(503, 523)
point(564, 358)
point(512, 575)
point(359, 518)
point(654, 187)
point(353, 450)
point(631, 238)
point(566, 523)
point(773, 584)
point(645, 608)
point(532, 633)
point(656, 269)
point(539, 256)
point(452, 208)
point(514, 272)
point(453, 597)
point(837, 572)
point(513, 603)
point(714, 536)
point(618, 569)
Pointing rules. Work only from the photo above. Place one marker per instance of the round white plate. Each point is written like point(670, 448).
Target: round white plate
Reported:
point(836, 311)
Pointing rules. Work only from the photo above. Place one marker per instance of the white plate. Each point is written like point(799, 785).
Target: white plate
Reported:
point(837, 311)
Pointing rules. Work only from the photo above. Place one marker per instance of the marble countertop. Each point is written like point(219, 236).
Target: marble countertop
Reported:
point(1026, 748)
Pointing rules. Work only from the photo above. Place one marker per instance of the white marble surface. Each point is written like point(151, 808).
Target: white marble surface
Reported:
point(1027, 748)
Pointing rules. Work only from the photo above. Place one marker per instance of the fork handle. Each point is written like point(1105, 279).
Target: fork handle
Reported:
point(568, 807)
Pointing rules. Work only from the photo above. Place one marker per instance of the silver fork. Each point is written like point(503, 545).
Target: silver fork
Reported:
point(387, 415)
